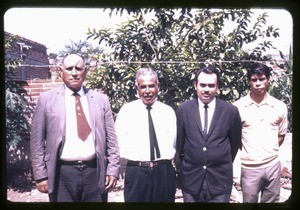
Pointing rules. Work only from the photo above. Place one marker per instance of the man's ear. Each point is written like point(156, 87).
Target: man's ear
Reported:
point(60, 66)
point(195, 85)
point(87, 67)
point(136, 90)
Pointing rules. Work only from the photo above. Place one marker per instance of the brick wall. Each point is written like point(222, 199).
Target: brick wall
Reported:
point(37, 86)
point(34, 55)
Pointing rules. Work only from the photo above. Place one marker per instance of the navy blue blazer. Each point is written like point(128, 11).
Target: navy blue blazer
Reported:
point(207, 156)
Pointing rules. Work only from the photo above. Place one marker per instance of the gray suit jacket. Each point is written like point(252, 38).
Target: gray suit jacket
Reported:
point(48, 135)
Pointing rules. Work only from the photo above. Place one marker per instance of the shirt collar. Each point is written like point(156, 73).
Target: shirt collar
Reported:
point(70, 92)
point(211, 105)
point(153, 105)
point(267, 100)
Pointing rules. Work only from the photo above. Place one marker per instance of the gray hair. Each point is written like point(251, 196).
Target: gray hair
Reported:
point(146, 71)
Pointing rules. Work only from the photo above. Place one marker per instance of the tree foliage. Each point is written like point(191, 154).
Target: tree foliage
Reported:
point(84, 48)
point(17, 108)
point(281, 85)
point(176, 42)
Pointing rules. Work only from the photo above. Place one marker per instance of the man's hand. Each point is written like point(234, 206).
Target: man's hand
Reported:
point(110, 182)
point(42, 186)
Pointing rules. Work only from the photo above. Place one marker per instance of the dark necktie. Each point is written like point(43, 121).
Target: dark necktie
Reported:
point(152, 135)
point(205, 118)
point(83, 128)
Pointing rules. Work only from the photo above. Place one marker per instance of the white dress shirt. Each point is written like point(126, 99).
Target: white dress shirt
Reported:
point(74, 147)
point(210, 111)
point(133, 130)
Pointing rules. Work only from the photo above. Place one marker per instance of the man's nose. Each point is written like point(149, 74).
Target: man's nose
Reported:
point(206, 88)
point(74, 71)
point(147, 89)
point(258, 83)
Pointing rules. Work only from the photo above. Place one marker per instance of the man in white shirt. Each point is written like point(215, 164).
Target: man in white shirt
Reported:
point(149, 174)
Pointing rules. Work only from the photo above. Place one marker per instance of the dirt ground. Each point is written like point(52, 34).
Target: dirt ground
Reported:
point(33, 195)
point(116, 195)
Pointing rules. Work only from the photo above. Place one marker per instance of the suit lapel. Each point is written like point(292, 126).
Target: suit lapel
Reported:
point(91, 104)
point(196, 115)
point(216, 116)
point(62, 109)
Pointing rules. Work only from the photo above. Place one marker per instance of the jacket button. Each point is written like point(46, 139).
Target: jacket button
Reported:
point(204, 148)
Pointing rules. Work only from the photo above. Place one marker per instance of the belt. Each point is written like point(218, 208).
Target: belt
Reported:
point(79, 163)
point(148, 164)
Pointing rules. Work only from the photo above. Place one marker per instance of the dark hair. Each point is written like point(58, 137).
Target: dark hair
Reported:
point(258, 68)
point(208, 70)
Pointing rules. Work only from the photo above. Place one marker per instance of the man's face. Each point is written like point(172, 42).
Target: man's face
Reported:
point(73, 72)
point(258, 84)
point(147, 87)
point(206, 87)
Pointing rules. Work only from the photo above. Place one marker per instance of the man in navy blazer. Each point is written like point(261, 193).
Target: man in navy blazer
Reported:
point(206, 153)
point(64, 166)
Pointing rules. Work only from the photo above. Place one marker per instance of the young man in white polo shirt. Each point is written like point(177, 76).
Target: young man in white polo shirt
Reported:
point(264, 125)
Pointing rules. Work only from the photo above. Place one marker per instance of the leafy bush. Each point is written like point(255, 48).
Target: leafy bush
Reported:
point(18, 109)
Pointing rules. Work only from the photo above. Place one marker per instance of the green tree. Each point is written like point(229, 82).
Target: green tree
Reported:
point(176, 42)
point(18, 109)
point(18, 112)
point(281, 85)
point(84, 48)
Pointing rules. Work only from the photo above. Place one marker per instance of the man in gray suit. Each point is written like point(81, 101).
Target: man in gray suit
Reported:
point(71, 165)
point(208, 138)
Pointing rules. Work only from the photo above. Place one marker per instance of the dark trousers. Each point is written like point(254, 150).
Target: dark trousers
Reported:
point(145, 184)
point(77, 184)
point(205, 196)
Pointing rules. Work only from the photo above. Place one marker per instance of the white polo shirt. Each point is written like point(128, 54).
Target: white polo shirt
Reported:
point(261, 125)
